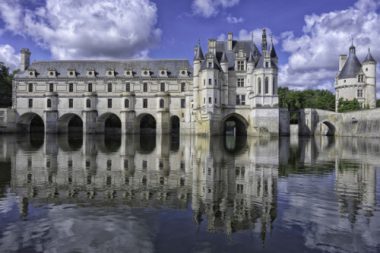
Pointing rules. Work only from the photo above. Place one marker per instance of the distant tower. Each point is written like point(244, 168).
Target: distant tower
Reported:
point(356, 80)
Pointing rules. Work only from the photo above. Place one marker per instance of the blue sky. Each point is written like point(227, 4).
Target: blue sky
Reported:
point(309, 34)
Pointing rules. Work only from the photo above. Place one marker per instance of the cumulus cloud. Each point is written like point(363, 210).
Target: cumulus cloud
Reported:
point(86, 28)
point(8, 56)
point(234, 20)
point(313, 60)
point(210, 8)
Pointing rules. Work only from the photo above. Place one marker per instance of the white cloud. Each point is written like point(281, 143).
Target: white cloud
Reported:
point(313, 60)
point(234, 20)
point(210, 8)
point(86, 28)
point(9, 57)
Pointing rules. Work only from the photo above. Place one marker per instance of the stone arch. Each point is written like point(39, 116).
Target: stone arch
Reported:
point(108, 123)
point(70, 122)
point(234, 124)
point(31, 123)
point(147, 123)
point(326, 128)
point(175, 124)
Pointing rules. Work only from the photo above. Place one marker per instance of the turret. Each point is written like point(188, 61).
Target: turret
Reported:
point(25, 59)
point(272, 52)
point(250, 63)
point(369, 69)
point(224, 62)
point(198, 58)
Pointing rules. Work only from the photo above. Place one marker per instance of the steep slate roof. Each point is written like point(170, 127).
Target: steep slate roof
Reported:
point(352, 66)
point(246, 45)
point(173, 67)
point(369, 57)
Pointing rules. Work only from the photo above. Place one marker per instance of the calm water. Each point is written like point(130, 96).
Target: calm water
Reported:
point(188, 194)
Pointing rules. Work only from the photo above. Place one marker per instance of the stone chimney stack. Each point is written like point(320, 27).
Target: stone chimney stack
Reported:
point(25, 59)
point(229, 42)
point(342, 61)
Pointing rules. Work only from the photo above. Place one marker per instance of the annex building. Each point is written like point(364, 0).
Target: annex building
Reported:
point(230, 88)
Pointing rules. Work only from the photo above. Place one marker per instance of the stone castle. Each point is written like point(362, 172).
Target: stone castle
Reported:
point(230, 88)
point(356, 80)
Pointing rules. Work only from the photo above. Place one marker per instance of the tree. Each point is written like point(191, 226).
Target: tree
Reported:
point(348, 105)
point(5, 86)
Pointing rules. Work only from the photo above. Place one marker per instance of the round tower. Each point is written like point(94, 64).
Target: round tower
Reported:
point(369, 69)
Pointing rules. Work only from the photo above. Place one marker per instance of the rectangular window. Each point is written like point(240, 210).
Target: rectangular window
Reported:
point(162, 87)
point(210, 100)
point(30, 103)
point(183, 103)
point(51, 87)
point(109, 164)
point(240, 82)
point(71, 103)
point(109, 87)
point(240, 65)
point(125, 163)
point(71, 87)
point(30, 87)
point(237, 100)
point(183, 87)
point(242, 100)
point(89, 87)
point(127, 87)
point(360, 93)
point(109, 103)
point(145, 103)
point(215, 100)
point(209, 81)
point(144, 164)
point(145, 87)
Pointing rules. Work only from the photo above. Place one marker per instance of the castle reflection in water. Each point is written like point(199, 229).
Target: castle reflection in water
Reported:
point(232, 184)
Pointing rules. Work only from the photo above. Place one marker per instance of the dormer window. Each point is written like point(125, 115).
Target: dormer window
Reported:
point(240, 65)
point(52, 73)
point(129, 72)
point(209, 65)
point(110, 72)
point(91, 72)
point(32, 73)
point(360, 78)
point(71, 73)
point(146, 72)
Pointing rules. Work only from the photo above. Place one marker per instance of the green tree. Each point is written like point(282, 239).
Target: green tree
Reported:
point(348, 105)
point(378, 103)
point(5, 86)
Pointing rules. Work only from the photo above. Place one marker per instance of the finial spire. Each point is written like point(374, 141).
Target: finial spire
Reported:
point(264, 43)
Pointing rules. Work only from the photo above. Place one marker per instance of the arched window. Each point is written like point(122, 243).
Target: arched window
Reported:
point(126, 103)
point(162, 103)
point(266, 85)
point(88, 103)
point(259, 84)
point(48, 103)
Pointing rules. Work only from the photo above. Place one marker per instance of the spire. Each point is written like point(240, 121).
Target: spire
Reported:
point(224, 58)
point(264, 43)
point(369, 57)
point(198, 53)
point(273, 53)
point(251, 58)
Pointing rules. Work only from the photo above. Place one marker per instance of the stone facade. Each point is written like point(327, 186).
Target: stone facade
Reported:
point(356, 80)
point(233, 82)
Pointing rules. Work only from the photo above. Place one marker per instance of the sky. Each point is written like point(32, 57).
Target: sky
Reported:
point(309, 35)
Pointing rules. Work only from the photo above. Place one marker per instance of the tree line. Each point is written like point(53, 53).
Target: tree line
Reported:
point(6, 86)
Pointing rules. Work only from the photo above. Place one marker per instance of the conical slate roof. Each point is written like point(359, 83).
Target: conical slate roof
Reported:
point(273, 53)
point(224, 58)
point(199, 54)
point(369, 57)
point(352, 66)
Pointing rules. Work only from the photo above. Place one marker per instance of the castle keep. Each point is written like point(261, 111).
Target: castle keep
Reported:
point(230, 88)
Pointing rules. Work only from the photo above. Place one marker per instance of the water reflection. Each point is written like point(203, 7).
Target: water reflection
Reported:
point(322, 191)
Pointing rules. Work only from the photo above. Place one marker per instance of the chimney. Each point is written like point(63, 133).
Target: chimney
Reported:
point(230, 39)
point(25, 59)
point(212, 46)
point(342, 61)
